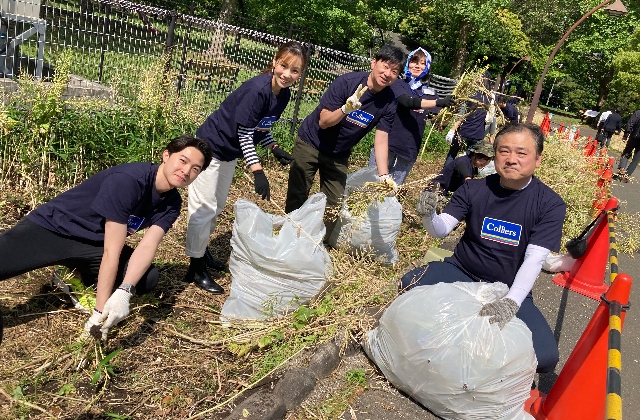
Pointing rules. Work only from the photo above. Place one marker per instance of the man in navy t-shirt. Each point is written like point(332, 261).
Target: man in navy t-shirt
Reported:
point(509, 110)
point(85, 228)
point(513, 221)
point(352, 106)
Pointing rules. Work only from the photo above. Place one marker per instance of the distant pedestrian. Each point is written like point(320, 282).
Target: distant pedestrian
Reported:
point(632, 148)
point(609, 126)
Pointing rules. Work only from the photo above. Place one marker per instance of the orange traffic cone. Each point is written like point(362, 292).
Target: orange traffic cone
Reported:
point(580, 392)
point(607, 173)
point(600, 202)
point(587, 274)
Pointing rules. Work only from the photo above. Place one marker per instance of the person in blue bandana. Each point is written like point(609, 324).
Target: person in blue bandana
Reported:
point(513, 221)
point(416, 101)
point(85, 228)
point(243, 120)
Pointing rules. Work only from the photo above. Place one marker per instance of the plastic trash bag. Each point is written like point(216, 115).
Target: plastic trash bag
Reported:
point(376, 233)
point(277, 263)
point(555, 263)
point(432, 344)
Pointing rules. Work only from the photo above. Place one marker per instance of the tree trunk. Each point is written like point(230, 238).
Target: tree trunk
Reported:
point(603, 89)
point(461, 54)
point(216, 49)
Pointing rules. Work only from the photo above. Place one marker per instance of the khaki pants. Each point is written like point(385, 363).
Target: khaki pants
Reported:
point(207, 197)
point(306, 162)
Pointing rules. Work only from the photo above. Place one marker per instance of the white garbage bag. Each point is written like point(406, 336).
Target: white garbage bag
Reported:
point(277, 263)
point(432, 344)
point(376, 233)
point(555, 263)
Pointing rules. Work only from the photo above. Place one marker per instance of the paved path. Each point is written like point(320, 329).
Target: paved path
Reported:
point(568, 313)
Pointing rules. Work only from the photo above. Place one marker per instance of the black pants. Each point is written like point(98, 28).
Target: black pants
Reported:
point(27, 246)
point(544, 342)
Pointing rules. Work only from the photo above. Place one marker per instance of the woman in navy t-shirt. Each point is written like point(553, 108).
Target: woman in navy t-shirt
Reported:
point(85, 228)
point(415, 102)
point(243, 121)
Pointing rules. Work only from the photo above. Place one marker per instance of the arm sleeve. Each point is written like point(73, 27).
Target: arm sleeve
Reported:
point(439, 225)
point(526, 276)
point(267, 140)
point(245, 136)
point(411, 102)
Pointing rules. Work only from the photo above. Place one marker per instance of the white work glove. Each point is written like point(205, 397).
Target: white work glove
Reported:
point(92, 326)
point(353, 101)
point(388, 179)
point(449, 136)
point(115, 310)
point(500, 311)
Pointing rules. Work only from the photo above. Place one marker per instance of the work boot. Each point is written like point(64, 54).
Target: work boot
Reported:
point(198, 275)
point(213, 263)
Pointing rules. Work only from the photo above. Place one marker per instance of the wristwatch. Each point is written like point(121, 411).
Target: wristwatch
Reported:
point(128, 288)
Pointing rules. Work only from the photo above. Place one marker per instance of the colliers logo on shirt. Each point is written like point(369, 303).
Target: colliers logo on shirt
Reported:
point(134, 223)
point(360, 118)
point(501, 231)
point(266, 123)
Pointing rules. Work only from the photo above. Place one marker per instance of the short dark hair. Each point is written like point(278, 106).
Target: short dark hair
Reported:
point(534, 130)
point(392, 55)
point(182, 142)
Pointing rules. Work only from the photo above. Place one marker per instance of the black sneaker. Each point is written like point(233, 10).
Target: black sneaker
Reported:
point(213, 263)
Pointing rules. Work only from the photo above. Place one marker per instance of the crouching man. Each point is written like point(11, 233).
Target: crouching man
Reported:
point(85, 228)
point(513, 221)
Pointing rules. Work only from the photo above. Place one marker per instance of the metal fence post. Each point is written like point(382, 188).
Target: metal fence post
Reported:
point(185, 41)
point(296, 108)
point(103, 44)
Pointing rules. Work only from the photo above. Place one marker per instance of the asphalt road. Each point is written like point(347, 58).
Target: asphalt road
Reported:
point(568, 313)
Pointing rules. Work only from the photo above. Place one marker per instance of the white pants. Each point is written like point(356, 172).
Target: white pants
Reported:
point(207, 197)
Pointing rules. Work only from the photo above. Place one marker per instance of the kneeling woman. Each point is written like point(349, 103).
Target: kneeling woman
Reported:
point(243, 120)
point(85, 228)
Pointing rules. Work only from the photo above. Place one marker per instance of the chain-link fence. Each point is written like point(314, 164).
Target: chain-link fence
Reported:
point(111, 42)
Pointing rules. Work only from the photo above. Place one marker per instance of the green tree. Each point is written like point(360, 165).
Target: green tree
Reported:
point(458, 32)
point(625, 86)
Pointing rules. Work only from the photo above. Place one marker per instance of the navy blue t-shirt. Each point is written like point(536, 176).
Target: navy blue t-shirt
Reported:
point(253, 104)
point(124, 194)
point(472, 127)
point(455, 173)
point(510, 113)
point(377, 109)
point(408, 126)
point(500, 223)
